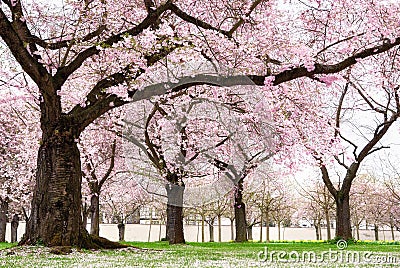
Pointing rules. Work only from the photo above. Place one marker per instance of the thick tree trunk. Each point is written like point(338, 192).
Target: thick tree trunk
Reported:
point(121, 231)
point(56, 218)
point(14, 228)
point(240, 223)
point(342, 199)
point(94, 214)
point(343, 226)
point(174, 213)
point(250, 232)
point(240, 214)
point(3, 219)
point(175, 225)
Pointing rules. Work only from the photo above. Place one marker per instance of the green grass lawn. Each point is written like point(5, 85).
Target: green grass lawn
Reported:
point(6, 245)
point(251, 254)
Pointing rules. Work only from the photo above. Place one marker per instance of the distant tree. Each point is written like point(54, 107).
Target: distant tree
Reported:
point(319, 205)
point(102, 162)
point(17, 150)
point(364, 112)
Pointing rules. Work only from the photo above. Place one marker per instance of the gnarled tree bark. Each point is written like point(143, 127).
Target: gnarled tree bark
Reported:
point(55, 217)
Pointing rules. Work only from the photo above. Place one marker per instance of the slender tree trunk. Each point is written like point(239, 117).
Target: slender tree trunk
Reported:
point(328, 225)
point(240, 214)
point(261, 228)
point(14, 228)
point(219, 229)
point(267, 223)
point(316, 229)
point(343, 226)
point(250, 232)
point(166, 227)
point(211, 229)
point(26, 217)
point(232, 229)
point(174, 212)
point(279, 230)
point(358, 231)
point(198, 230)
point(151, 223)
point(95, 214)
point(3, 219)
point(376, 232)
point(203, 236)
point(392, 231)
point(320, 230)
point(384, 234)
point(85, 214)
point(159, 231)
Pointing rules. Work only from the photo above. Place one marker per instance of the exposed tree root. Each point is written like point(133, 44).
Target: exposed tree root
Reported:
point(86, 241)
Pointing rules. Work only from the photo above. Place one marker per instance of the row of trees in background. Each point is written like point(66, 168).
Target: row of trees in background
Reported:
point(282, 205)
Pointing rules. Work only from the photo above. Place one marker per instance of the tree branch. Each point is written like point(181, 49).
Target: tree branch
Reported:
point(63, 73)
point(326, 179)
point(111, 167)
point(18, 47)
point(65, 43)
point(188, 18)
point(98, 96)
point(241, 20)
